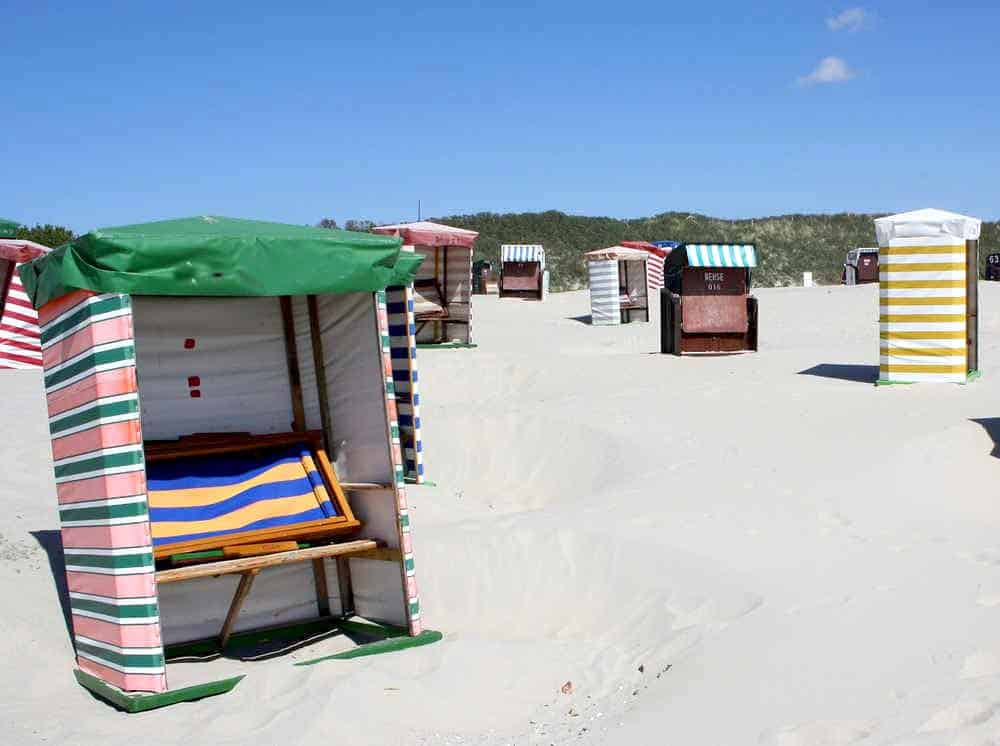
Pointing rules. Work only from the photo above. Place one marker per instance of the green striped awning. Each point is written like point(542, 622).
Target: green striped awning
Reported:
point(721, 255)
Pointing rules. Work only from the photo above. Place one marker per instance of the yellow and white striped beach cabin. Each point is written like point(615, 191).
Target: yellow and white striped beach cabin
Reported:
point(927, 297)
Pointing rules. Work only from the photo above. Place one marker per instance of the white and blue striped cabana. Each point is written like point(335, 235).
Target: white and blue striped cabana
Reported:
point(618, 295)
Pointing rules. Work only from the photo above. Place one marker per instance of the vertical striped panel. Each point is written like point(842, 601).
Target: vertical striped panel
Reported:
point(654, 266)
point(605, 303)
point(403, 348)
point(402, 512)
point(459, 293)
point(922, 311)
point(19, 339)
point(93, 401)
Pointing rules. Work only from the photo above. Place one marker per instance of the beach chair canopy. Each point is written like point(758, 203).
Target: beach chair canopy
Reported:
point(649, 248)
point(617, 253)
point(927, 223)
point(523, 252)
point(426, 233)
point(18, 250)
point(854, 254)
point(8, 228)
point(713, 255)
point(217, 256)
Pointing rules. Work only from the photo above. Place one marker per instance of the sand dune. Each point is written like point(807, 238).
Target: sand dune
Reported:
point(759, 549)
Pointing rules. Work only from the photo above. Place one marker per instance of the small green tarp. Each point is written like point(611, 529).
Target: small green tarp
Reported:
point(220, 256)
point(8, 228)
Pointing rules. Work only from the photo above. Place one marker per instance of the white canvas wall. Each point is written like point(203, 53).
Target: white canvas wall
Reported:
point(239, 357)
point(605, 305)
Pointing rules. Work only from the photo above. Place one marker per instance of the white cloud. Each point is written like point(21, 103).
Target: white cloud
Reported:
point(829, 70)
point(852, 19)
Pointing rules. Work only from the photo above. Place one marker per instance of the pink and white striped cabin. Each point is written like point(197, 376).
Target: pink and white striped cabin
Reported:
point(19, 339)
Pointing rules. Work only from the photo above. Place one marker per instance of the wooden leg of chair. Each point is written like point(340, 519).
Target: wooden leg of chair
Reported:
point(322, 594)
point(246, 580)
point(345, 587)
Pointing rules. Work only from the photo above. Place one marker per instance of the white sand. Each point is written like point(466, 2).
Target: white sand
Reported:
point(792, 559)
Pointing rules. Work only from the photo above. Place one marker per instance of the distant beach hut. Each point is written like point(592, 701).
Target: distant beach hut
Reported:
point(522, 271)
point(705, 305)
point(992, 267)
point(19, 339)
point(619, 285)
point(861, 266)
point(442, 289)
point(928, 297)
point(481, 277)
point(225, 443)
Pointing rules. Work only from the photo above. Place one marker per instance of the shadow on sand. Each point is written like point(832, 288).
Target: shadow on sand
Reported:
point(582, 319)
point(51, 542)
point(992, 427)
point(853, 373)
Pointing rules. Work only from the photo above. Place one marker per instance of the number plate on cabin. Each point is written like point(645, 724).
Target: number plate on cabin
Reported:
point(714, 281)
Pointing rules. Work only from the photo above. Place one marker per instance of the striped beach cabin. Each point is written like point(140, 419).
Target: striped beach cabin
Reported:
point(928, 297)
point(619, 285)
point(522, 271)
point(442, 290)
point(253, 398)
point(19, 340)
point(705, 303)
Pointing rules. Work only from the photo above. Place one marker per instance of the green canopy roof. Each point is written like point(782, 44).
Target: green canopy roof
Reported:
point(219, 256)
point(8, 228)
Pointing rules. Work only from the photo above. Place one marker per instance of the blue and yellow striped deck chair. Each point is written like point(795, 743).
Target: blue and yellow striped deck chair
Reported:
point(214, 492)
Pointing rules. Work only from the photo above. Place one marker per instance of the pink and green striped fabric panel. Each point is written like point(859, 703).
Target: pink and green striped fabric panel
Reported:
point(88, 356)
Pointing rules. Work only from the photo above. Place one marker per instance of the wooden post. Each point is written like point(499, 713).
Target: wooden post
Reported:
point(972, 303)
point(319, 363)
point(666, 331)
point(292, 358)
point(246, 580)
point(623, 277)
point(447, 299)
point(344, 586)
point(322, 594)
point(8, 276)
point(677, 316)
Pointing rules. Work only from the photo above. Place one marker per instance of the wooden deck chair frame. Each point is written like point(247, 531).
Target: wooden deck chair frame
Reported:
point(209, 444)
point(423, 318)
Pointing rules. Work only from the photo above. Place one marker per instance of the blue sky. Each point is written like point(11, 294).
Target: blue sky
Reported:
point(122, 112)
